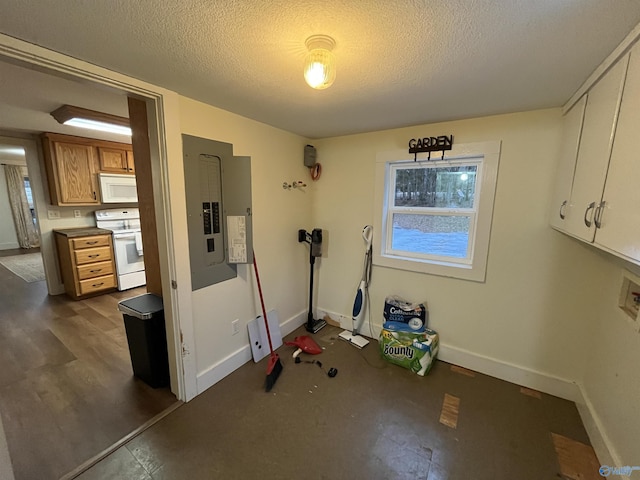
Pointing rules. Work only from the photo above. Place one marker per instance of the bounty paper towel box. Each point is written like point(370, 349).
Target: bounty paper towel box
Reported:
point(413, 350)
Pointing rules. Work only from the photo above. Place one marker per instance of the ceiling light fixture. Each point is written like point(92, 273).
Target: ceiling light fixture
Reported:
point(320, 64)
point(84, 118)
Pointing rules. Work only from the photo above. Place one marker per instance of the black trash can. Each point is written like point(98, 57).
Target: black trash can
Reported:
point(147, 338)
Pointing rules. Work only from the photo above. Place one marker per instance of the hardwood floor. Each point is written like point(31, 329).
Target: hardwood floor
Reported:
point(67, 390)
point(18, 251)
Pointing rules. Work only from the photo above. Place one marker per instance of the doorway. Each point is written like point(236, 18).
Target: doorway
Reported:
point(19, 239)
point(67, 392)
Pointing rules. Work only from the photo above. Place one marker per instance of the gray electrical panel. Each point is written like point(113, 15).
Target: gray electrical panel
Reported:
point(218, 193)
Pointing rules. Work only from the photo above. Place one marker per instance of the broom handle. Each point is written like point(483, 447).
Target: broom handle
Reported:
point(264, 311)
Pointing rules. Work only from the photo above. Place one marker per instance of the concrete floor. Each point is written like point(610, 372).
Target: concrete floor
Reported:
point(373, 420)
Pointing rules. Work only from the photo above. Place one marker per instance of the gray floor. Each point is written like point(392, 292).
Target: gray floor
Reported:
point(372, 421)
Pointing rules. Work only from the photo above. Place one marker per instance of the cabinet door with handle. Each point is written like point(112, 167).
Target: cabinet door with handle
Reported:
point(598, 131)
point(571, 130)
point(112, 160)
point(76, 174)
point(619, 216)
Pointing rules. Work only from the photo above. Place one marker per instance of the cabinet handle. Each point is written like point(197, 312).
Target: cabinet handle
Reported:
point(92, 243)
point(94, 256)
point(564, 204)
point(590, 207)
point(95, 271)
point(598, 215)
point(96, 285)
point(94, 196)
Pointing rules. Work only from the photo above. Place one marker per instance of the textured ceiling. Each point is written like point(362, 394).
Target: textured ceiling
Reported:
point(399, 62)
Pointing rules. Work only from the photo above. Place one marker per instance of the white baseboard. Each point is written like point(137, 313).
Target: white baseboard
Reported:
point(517, 374)
point(9, 245)
point(216, 372)
point(526, 377)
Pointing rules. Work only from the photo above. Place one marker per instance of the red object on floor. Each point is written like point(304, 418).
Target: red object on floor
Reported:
point(306, 344)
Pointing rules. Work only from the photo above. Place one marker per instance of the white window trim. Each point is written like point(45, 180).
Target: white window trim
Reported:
point(476, 265)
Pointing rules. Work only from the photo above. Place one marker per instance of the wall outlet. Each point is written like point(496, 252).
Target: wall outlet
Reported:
point(629, 300)
point(235, 326)
point(53, 214)
point(77, 213)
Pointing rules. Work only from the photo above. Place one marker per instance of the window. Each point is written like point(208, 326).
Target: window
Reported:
point(435, 216)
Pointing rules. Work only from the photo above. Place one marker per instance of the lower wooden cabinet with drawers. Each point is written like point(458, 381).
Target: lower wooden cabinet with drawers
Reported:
point(86, 261)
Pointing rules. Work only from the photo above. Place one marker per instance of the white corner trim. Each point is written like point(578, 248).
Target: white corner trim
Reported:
point(216, 372)
point(602, 444)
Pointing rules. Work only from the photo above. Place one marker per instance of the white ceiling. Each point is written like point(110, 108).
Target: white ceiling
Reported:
point(399, 62)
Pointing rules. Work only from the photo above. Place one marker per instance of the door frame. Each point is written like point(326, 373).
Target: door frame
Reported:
point(165, 142)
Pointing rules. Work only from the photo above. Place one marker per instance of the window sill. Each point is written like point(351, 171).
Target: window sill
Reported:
point(432, 267)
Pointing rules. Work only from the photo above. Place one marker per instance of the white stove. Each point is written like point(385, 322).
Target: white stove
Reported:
point(127, 244)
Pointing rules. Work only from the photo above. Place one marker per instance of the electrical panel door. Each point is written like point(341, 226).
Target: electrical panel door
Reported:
point(218, 194)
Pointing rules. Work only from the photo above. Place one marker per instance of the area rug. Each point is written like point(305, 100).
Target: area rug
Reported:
point(29, 266)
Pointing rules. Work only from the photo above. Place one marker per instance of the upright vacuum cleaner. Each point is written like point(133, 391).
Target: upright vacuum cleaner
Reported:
point(362, 295)
point(314, 239)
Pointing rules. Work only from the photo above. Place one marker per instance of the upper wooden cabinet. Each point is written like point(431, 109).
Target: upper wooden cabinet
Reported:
point(73, 163)
point(115, 160)
point(71, 171)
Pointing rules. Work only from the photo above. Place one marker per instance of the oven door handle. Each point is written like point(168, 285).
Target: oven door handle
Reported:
point(124, 236)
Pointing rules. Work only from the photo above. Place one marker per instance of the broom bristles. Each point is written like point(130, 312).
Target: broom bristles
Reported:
point(274, 369)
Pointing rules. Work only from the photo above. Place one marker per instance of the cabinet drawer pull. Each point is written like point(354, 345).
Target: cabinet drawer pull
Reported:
point(564, 204)
point(95, 271)
point(96, 285)
point(93, 242)
point(598, 215)
point(591, 206)
point(95, 255)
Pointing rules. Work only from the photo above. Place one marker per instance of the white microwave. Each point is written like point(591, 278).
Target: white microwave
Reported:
point(118, 188)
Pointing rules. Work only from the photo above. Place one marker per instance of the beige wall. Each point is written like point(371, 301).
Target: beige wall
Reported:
point(524, 314)
point(276, 157)
point(611, 383)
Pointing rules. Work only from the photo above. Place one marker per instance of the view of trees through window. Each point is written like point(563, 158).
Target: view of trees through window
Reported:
point(433, 208)
point(439, 187)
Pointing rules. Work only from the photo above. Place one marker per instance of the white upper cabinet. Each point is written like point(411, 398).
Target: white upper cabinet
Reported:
point(619, 216)
point(602, 180)
point(571, 129)
point(596, 140)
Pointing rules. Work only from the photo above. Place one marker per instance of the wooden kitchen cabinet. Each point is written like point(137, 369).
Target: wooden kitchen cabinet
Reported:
point(73, 164)
point(86, 261)
point(71, 171)
point(116, 160)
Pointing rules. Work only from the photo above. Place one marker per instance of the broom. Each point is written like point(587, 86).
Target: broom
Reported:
point(274, 367)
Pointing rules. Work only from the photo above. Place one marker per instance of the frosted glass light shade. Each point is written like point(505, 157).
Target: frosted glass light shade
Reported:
point(320, 64)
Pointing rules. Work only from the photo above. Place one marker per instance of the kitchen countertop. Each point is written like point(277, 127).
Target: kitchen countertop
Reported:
point(82, 232)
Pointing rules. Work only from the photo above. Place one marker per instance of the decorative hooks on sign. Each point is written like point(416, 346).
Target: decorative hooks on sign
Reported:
point(430, 144)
